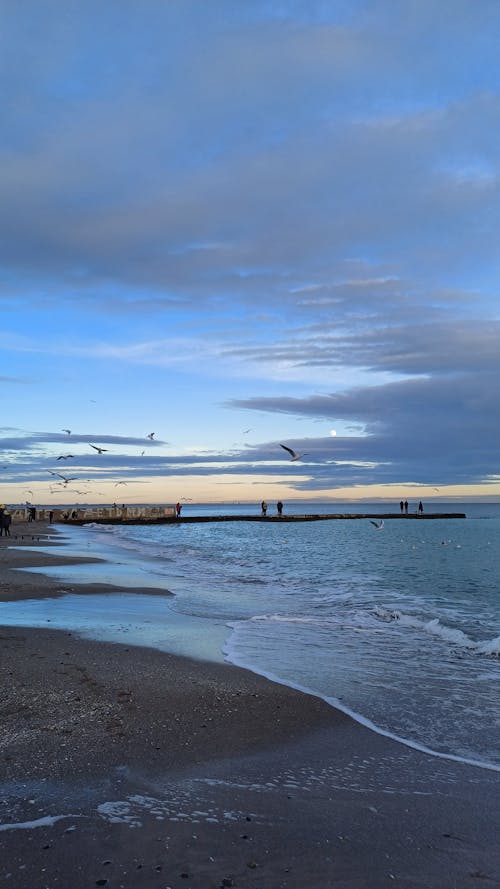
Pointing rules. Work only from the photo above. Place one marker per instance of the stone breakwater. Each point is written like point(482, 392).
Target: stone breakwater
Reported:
point(145, 519)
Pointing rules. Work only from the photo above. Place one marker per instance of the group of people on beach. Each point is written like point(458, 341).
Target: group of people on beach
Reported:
point(279, 508)
point(403, 506)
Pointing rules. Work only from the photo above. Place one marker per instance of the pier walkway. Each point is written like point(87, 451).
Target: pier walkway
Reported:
point(305, 517)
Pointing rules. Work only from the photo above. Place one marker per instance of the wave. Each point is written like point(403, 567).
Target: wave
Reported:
point(434, 627)
point(232, 656)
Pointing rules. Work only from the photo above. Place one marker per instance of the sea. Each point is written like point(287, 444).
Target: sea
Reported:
point(398, 627)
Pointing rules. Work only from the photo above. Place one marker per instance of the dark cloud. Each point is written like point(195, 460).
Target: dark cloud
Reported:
point(443, 429)
point(286, 147)
point(419, 348)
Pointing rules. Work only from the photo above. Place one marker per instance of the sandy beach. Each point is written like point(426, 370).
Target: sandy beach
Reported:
point(127, 767)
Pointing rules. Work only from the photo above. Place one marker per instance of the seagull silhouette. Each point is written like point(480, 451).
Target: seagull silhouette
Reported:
point(120, 483)
point(65, 479)
point(378, 525)
point(98, 449)
point(293, 455)
point(66, 430)
point(65, 456)
point(151, 435)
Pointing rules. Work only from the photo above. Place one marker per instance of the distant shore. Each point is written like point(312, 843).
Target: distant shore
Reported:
point(129, 767)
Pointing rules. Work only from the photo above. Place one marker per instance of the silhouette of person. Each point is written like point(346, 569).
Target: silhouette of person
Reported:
point(279, 507)
point(420, 508)
point(401, 505)
point(263, 507)
point(406, 507)
point(178, 508)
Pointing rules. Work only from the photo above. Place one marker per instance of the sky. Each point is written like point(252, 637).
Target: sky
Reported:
point(239, 224)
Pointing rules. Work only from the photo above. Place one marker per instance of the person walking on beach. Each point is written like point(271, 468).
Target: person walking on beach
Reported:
point(279, 507)
point(6, 520)
point(406, 507)
point(420, 508)
point(263, 507)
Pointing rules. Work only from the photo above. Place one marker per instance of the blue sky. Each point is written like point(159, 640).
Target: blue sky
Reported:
point(280, 217)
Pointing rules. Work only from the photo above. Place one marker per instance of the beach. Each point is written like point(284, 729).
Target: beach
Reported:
point(128, 767)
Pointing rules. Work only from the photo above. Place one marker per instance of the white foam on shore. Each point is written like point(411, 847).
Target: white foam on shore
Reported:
point(232, 658)
point(46, 821)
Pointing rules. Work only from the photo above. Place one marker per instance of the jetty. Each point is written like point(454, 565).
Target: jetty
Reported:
point(167, 516)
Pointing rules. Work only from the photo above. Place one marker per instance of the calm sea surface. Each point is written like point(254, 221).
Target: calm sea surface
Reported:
point(399, 627)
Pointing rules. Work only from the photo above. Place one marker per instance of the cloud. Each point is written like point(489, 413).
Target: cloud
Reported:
point(299, 198)
point(87, 191)
point(445, 429)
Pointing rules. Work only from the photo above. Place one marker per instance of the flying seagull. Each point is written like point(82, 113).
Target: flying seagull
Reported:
point(151, 435)
point(65, 480)
point(378, 525)
point(65, 456)
point(293, 455)
point(245, 431)
point(120, 483)
point(98, 449)
point(66, 430)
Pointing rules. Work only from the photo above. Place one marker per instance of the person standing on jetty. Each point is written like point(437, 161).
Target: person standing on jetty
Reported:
point(420, 508)
point(401, 506)
point(178, 508)
point(279, 507)
point(263, 507)
point(406, 507)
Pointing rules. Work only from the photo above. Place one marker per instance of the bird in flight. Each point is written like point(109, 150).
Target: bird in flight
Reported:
point(65, 456)
point(98, 449)
point(151, 435)
point(293, 455)
point(64, 478)
point(378, 525)
point(245, 431)
point(66, 430)
point(120, 483)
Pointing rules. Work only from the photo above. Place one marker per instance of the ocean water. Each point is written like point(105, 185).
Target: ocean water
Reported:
point(398, 627)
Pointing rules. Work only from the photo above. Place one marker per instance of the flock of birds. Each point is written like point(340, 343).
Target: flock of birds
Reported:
point(64, 480)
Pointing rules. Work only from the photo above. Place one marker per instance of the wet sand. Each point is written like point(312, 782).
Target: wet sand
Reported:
point(127, 767)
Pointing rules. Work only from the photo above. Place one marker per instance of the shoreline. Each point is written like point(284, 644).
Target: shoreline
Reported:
point(108, 735)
